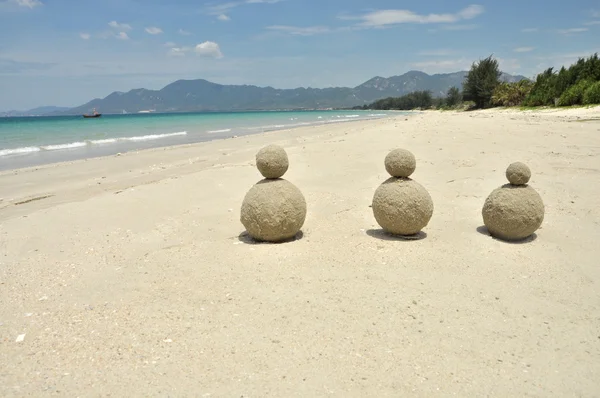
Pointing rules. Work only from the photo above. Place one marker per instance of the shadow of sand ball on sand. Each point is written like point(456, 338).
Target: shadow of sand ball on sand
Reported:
point(401, 206)
point(274, 209)
point(515, 210)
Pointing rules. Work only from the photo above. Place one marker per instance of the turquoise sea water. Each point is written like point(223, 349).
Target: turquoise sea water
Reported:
point(26, 141)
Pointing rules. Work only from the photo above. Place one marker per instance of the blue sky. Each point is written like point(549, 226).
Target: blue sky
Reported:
point(66, 52)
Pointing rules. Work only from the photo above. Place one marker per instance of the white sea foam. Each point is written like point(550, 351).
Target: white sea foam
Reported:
point(17, 151)
point(63, 146)
point(105, 141)
point(219, 131)
point(153, 136)
point(352, 116)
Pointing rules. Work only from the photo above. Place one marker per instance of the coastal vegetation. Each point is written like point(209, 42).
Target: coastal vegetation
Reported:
point(482, 88)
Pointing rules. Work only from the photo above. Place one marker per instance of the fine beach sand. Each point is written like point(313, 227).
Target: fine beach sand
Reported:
point(127, 275)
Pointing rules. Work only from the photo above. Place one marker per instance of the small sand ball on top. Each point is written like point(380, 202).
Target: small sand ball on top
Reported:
point(272, 161)
point(518, 173)
point(513, 211)
point(400, 163)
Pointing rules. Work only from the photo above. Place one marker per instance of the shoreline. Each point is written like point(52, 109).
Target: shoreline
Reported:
point(131, 275)
point(86, 148)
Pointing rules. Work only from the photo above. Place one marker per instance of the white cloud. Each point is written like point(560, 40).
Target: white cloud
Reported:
point(170, 44)
point(209, 49)
point(122, 36)
point(300, 31)
point(595, 13)
point(392, 17)
point(523, 49)
point(529, 30)
point(120, 26)
point(223, 17)
point(184, 32)
point(85, 36)
point(153, 30)
point(592, 23)
point(572, 30)
point(28, 3)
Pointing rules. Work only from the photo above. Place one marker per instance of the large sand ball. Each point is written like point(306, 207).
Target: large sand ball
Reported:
point(400, 163)
point(513, 212)
point(273, 210)
point(518, 173)
point(402, 206)
point(272, 161)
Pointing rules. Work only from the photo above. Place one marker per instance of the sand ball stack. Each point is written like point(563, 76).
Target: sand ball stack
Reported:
point(274, 209)
point(401, 206)
point(515, 210)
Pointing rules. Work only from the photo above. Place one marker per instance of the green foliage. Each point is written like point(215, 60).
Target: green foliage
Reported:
point(453, 97)
point(481, 81)
point(592, 94)
point(414, 100)
point(574, 94)
point(553, 88)
point(511, 94)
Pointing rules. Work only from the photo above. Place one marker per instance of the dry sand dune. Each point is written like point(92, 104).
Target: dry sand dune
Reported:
point(127, 276)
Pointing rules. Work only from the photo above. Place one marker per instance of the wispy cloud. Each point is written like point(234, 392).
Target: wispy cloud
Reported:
point(523, 49)
point(221, 10)
point(572, 30)
point(183, 32)
point(120, 26)
point(384, 18)
point(85, 36)
point(153, 30)
point(170, 44)
point(15, 5)
point(529, 30)
point(122, 36)
point(300, 31)
point(590, 23)
point(28, 3)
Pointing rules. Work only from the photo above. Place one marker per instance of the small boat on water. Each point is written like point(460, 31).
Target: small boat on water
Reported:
point(94, 114)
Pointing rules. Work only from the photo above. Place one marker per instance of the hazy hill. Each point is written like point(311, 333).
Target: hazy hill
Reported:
point(202, 95)
point(40, 111)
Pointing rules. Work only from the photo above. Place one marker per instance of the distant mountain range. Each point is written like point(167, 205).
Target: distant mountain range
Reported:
point(202, 95)
point(40, 111)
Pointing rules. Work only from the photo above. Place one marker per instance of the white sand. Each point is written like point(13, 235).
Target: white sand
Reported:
point(130, 280)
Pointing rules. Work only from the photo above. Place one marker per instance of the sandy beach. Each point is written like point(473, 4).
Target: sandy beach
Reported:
point(127, 275)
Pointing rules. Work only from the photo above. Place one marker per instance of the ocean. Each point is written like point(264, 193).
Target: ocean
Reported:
point(31, 141)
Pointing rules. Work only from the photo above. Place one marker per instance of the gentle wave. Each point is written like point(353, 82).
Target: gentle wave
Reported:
point(16, 151)
point(63, 146)
point(219, 131)
point(72, 145)
point(153, 137)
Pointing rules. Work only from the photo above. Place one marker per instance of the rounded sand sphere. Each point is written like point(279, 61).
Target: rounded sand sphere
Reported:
point(400, 163)
point(513, 212)
point(402, 206)
point(518, 173)
point(272, 161)
point(273, 211)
